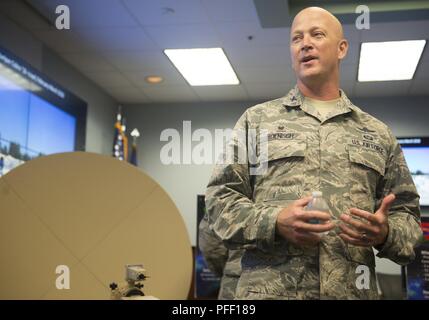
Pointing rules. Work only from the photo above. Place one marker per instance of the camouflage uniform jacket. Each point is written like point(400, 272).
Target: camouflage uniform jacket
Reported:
point(352, 158)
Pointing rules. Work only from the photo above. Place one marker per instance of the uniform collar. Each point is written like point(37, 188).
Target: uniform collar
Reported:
point(294, 98)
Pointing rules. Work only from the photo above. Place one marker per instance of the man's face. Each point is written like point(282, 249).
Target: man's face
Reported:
point(314, 45)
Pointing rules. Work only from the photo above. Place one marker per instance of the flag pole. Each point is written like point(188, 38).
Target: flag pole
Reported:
point(133, 157)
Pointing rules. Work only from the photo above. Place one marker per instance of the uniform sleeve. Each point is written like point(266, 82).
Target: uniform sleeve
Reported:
point(233, 215)
point(212, 248)
point(404, 214)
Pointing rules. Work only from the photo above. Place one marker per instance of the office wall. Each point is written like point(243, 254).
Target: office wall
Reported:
point(406, 116)
point(185, 181)
point(101, 107)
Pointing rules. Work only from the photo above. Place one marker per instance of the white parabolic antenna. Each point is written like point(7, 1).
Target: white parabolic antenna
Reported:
point(93, 214)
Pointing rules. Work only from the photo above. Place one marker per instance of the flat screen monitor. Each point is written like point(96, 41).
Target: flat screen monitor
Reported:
point(416, 152)
point(37, 116)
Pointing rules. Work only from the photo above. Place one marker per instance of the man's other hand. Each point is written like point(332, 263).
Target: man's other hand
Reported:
point(293, 223)
point(371, 229)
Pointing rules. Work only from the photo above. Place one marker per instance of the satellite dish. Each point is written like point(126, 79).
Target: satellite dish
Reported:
point(93, 215)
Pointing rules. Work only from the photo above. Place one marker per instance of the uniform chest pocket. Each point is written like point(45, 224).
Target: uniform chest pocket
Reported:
point(284, 165)
point(367, 167)
point(286, 149)
point(367, 160)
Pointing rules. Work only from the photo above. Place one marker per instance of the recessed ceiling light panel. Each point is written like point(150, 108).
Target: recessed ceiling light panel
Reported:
point(387, 61)
point(203, 67)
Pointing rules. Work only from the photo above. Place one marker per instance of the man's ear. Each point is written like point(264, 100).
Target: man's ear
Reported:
point(343, 46)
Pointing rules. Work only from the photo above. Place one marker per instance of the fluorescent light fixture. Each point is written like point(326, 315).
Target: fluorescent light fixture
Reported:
point(203, 67)
point(392, 60)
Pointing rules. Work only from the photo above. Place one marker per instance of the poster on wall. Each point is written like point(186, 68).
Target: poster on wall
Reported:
point(206, 282)
point(418, 271)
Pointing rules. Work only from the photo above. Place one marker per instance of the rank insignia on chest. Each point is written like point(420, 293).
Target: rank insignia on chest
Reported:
point(366, 130)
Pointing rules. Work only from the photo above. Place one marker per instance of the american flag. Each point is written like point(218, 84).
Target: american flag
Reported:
point(120, 142)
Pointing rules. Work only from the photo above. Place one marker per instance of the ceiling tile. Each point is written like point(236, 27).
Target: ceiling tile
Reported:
point(237, 33)
point(259, 57)
point(87, 62)
point(94, 13)
point(280, 74)
point(227, 10)
point(221, 93)
point(108, 79)
point(116, 39)
point(138, 60)
point(63, 41)
point(171, 94)
point(167, 12)
point(184, 36)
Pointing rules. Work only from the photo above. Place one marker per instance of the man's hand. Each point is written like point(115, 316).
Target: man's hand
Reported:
point(292, 223)
point(372, 231)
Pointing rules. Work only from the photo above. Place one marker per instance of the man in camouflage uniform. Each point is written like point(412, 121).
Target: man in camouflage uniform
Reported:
point(350, 156)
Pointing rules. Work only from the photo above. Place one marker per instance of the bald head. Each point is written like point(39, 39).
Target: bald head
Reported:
point(329, 21)
point(317, 46)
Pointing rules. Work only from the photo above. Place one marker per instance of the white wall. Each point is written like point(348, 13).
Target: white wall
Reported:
point(182, 182)
point(101, 107)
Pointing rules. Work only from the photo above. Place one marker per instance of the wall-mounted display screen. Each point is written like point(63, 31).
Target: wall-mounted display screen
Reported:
point(416, 152)
point(37, 116)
